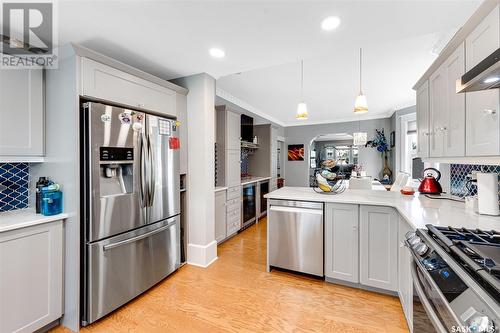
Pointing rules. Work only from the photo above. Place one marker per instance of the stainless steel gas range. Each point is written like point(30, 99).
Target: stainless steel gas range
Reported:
point(456, 280)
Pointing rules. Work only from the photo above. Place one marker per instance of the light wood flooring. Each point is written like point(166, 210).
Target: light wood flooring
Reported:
point(236, 294)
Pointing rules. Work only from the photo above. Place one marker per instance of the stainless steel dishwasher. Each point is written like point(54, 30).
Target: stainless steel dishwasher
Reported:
point(295, 236)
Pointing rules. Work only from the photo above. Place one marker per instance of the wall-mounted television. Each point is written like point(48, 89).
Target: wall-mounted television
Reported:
point(246, 128)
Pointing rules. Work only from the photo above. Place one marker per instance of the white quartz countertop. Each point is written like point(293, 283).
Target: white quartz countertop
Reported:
point(23, 218)
point(251, 180)
point(220, 188)
point(418, 210)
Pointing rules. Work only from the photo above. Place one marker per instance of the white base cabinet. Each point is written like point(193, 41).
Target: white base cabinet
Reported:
point(341, 242)
point(31, 277)
point(220, 216)
point(378, 240)
point(405, 284)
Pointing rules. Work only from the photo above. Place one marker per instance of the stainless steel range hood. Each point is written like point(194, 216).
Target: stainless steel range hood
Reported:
point(483, 76)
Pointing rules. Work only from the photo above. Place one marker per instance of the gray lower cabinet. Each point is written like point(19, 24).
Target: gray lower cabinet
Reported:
point(31, 277)
point(378, 237)
point(220, 216)
point(21, 102)
point(405, 285)
point(341, 242)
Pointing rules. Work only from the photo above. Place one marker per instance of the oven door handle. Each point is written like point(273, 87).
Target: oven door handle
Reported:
point(425, 302)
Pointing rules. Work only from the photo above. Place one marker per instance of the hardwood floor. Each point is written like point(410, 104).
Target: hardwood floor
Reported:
point(236, 294)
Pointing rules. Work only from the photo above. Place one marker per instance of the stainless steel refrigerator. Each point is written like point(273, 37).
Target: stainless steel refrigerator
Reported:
point(131, 205)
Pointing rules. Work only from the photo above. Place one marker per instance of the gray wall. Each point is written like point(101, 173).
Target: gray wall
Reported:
point(297, 172)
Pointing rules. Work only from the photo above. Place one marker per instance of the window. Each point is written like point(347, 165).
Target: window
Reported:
point(407, 142)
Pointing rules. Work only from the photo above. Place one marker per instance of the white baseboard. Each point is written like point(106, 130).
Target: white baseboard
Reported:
point(202, 255)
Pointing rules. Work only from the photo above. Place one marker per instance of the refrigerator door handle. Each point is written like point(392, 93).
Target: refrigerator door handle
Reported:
point(143, 171)
point(152, 184)
point(137, 238)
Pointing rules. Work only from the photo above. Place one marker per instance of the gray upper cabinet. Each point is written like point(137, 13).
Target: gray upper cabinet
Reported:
point(341, 242)
point(423, 120)
point(233, 130)
point(228, 129)
point(378, 248)
point(22, 113)
point(437, 103)
point(447, 108)
point(181, 104)
point(220, 216)
point(460, 124)
point(482, 107)
point(111, 84)
point(233, 167)
point(453, 127)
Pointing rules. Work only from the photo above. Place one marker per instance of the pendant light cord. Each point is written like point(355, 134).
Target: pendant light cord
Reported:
point(302, 80)
point(360, 68)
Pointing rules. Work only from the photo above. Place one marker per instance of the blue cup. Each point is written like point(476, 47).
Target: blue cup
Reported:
point(52, 202)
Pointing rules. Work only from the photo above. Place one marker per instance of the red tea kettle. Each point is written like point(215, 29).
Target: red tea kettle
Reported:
point(430, 184)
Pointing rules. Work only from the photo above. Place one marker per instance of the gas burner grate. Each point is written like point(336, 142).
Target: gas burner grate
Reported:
point(477, 250)
point(476, 236)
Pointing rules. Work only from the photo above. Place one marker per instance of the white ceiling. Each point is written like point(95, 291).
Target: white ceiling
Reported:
point(266, 39)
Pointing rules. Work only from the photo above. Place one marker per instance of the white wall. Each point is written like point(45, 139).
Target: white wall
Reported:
point(202, 247)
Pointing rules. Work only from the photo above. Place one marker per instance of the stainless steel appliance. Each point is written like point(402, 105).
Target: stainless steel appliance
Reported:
point(456, 280)
point(296, 236)
point(485, 75)
point(131, 204)
point(262, 201)
point(249, 203)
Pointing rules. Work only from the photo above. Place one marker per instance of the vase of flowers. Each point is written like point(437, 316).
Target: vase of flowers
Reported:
point(380, 143)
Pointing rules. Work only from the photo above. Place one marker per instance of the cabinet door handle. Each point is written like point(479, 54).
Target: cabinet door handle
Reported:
point(490, 111)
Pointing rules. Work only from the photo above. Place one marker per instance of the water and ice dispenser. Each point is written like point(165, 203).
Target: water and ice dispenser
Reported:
point(116, 174)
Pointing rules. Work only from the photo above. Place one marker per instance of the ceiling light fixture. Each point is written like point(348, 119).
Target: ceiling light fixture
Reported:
point(361, 105)
point(302, 107)
point(492, 79)
point(217, 53)
point(330, 23)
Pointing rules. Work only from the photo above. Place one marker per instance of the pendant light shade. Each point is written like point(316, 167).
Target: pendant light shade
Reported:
point(360, 138)
point(361, 105)
point(302, 107)
point(302, 111)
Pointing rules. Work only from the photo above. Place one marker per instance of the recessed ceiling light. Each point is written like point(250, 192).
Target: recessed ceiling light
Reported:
point(217, 53)
point(330, 23)
point(492, 79)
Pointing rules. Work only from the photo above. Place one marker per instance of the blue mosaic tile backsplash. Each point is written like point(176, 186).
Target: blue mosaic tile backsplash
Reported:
point(458, 175)
point(15, 178)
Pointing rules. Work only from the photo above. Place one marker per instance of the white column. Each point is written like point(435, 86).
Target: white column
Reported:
point(202, 247)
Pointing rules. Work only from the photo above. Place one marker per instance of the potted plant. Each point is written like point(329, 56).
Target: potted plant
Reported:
point(380, 143)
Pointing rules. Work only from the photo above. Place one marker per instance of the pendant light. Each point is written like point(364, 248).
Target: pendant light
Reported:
point(360, 138)
point(360, 106)
point(302, 107)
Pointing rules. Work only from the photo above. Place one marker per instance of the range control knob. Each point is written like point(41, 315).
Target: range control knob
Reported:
point(421, 249)
point(414, 240)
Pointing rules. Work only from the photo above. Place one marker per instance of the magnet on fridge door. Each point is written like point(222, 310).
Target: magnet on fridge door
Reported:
point(137, 126)
point(174, 143)
point(124, 118)
point(105, 118)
